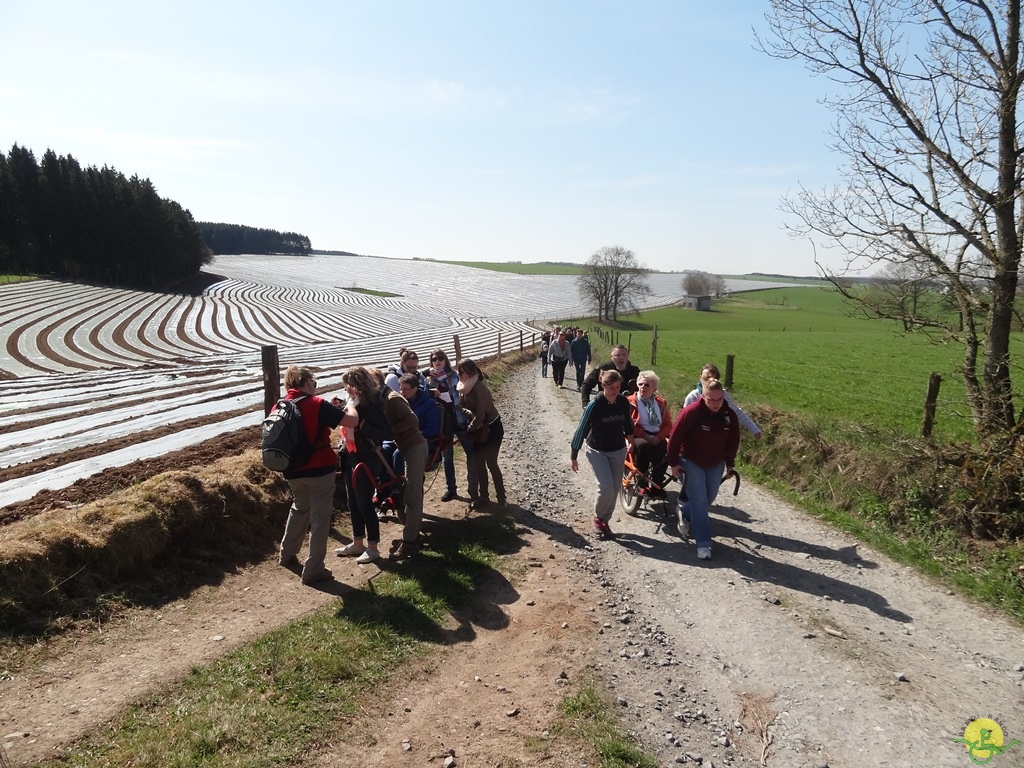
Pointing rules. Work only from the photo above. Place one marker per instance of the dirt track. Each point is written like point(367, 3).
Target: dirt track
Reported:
point(793, 643)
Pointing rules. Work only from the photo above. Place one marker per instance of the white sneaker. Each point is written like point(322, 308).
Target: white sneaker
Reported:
point(350, 550)
point(372, 554)
point(683, 524)
point(703, 553)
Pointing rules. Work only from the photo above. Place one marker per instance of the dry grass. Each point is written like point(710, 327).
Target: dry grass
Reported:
point(61, 562)
point(757, 716)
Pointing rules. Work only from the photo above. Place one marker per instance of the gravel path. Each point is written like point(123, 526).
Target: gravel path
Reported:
point(846, 658)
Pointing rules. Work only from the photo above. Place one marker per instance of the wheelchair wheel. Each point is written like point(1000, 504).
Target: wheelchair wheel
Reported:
point(629, 495)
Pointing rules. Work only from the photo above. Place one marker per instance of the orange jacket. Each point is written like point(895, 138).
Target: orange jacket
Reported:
point(666, 417)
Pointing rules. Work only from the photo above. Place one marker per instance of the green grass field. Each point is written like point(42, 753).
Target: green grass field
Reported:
point(799, 350)
point(545, 268)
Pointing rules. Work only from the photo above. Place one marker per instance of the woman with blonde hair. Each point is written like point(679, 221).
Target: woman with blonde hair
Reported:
point(365, 415)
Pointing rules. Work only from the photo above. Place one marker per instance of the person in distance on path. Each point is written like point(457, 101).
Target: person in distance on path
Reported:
point(560, 355)
point(580, 347)
point(703, 444)
point(606, 427)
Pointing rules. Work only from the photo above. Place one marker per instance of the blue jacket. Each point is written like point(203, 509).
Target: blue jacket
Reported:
point(425, 408)
point(580, 350)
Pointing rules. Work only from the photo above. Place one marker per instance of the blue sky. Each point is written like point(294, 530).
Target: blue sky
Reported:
point(497, 131)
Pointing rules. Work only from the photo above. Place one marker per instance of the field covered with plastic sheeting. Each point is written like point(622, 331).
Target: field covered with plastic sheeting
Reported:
point(98, 377)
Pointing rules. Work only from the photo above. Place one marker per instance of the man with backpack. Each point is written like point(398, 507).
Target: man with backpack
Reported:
point(310, 473)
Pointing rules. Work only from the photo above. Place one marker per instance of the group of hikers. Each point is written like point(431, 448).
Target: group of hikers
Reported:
point(562, 347)
point(394, 421)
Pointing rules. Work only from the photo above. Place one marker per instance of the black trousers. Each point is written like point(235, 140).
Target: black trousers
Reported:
point(558, 370)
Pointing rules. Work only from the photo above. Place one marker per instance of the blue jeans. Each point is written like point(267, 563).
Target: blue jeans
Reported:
point(448, 460)
point(581, 372)
point(607, 466)
point(701, 489)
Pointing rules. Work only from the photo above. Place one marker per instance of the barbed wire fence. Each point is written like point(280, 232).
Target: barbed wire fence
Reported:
point(792, 373)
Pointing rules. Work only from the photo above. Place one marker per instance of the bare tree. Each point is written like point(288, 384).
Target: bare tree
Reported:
point(614, 282)
point(698, 283)
point(927, 119)
point(899, 291)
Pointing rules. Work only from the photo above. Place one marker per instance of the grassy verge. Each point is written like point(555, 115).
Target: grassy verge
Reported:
point(588, 716)
point(271, 701)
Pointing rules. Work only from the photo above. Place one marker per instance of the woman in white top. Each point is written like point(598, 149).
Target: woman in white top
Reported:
point(709, 372)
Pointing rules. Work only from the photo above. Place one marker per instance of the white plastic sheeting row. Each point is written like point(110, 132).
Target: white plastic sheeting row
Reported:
point(96, 365)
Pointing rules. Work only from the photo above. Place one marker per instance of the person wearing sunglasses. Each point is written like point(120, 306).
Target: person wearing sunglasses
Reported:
point(408, 362)
point(443, 381)
point(652, 423)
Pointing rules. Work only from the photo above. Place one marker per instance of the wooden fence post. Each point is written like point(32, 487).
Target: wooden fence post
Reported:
point(654, 346)
point(271, 377)
point(521, 347)
point(458, 347)
point(629, 342)
point(499, 345)
point(729, 360)
point(929, 405)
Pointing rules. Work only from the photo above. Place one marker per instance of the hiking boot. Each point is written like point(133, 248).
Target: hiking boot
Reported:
point(368, 556)
point(404, 550)
point(289, 562)
point(450, 496)
point(703, 553)
point(503, 506)
point(476, 504)
point(382, 516)
point(350, 550)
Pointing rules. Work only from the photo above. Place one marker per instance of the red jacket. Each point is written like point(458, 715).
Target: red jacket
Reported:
point(318, 419)
point(666, 417)
point(704, 436)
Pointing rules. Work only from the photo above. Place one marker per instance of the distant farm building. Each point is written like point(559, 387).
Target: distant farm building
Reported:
point(700, 303)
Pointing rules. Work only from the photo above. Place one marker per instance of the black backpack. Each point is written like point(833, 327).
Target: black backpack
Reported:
point(284, 444)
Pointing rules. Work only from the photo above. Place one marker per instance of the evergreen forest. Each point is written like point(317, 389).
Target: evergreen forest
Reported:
point(60, 220)
point(237, 238)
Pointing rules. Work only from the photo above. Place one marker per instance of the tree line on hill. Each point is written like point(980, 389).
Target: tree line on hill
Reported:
point(62, 220)
point(230, 239)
